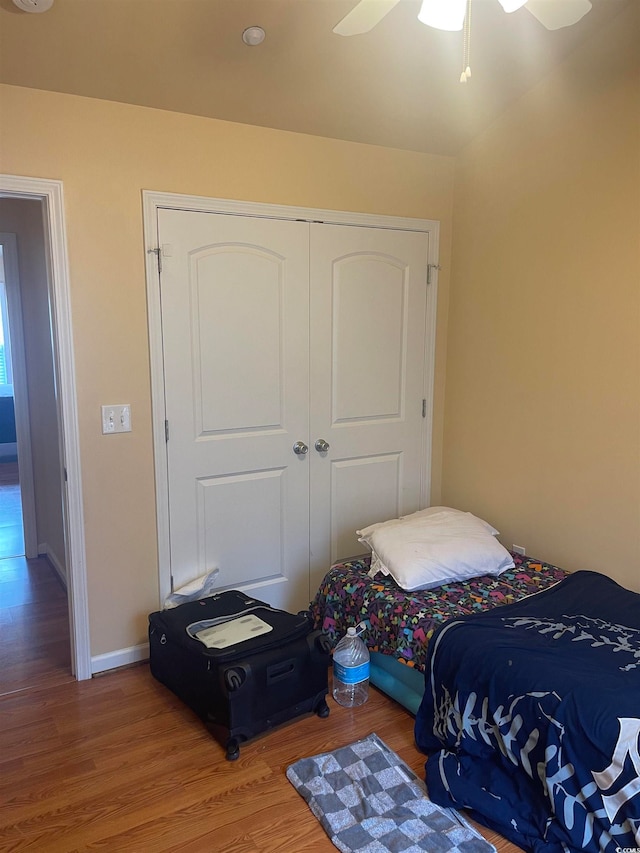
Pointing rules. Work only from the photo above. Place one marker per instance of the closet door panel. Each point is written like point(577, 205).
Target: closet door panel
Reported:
point(369, 296)
point(235, 315)
point(276, 332)
point(361, 487)
point(367, 355)
point(241, 351)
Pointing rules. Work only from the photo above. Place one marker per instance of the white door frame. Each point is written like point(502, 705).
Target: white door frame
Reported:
point(20, 393)
point(50, 193)
point(151, 202)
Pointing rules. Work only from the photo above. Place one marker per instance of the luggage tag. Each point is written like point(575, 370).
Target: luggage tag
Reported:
point(230, 632)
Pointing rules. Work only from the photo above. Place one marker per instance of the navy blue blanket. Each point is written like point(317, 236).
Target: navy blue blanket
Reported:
point(531, 717)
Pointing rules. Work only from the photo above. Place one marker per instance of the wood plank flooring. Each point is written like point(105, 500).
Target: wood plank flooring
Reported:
point(34, 626)
point(11, 532)
point(34, 619)
point(120, 764)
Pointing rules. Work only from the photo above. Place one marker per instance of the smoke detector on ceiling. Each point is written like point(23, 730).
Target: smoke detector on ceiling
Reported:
point(252, 36)
point(33, 5)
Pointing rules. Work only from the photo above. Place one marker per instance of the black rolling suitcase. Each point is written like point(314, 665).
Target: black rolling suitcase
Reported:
point(240, 664)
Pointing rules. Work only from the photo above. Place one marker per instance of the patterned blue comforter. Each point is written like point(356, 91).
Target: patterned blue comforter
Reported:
point(531, 717)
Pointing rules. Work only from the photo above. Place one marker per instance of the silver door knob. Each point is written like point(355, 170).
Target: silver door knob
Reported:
point(321, 445)
point(300, 448)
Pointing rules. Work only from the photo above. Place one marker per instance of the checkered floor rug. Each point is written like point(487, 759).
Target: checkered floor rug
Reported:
point(369, 801)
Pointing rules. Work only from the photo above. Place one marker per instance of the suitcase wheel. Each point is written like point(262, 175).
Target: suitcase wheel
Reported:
point(323, 643)
point(322, 709)
point(234, 678)
point(233, 749)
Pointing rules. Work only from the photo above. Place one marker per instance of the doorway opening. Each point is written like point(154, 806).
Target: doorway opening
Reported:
point(33, 602)
point(11, 526)
point(43, 599)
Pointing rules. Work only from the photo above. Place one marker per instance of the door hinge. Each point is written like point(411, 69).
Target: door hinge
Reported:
point(158, 255)
point(166, 430)
point(424, 408)
point(432, 267)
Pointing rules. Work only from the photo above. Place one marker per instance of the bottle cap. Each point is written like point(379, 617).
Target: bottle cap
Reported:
point(351, 632)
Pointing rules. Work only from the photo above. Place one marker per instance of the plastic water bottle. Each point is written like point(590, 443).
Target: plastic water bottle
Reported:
point(351, 671)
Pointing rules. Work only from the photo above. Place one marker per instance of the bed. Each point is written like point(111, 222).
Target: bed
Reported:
point(531, 713)
point(399, 624)
point(531, 717)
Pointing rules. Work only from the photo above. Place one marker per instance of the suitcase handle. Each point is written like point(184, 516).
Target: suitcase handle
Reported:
point(281, 670)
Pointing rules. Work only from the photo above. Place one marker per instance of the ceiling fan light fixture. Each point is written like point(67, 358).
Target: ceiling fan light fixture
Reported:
point(33, 5)
point(512, 5)
point(443, 14)
point(554, 16)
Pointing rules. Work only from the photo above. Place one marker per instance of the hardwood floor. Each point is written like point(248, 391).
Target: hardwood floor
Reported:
point(34, 626)
point(120, 764)
point(11, 532)
point(34, 620)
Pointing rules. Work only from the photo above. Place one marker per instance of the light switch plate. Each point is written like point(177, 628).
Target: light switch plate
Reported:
point(116, 419)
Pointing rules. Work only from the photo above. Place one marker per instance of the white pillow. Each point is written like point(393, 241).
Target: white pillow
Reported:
point(425, 513)
point(435, 546)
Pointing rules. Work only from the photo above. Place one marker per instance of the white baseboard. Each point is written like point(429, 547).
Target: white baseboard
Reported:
point(120, 657)
point(45, 551)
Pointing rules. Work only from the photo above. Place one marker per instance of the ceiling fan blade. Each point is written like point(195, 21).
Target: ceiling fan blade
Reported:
point(364, 16)
point(554, 14)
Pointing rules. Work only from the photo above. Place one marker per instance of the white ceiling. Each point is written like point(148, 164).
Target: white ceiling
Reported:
point(396, 86)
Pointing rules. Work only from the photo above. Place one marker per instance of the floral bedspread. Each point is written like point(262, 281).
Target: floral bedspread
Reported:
point(401, 623)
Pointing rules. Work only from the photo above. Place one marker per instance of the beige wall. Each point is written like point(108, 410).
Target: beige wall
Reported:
point(105, 154)
point(542, 415)
point(24, 219)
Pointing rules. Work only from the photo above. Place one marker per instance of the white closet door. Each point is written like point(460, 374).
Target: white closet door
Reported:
point(235, 312)
point(367, 331)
